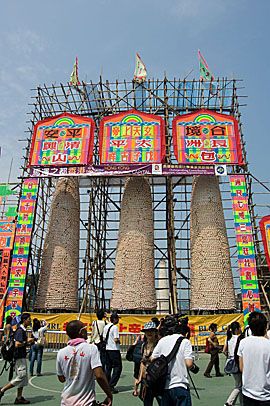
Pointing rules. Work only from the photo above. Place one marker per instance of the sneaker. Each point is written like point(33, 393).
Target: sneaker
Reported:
point(39, 374)
point(21, 401)
point(207, 375)
point(219, 375)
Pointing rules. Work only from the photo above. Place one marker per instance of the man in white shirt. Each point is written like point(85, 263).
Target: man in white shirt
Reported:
point(176, 391)
point(113, 355)
point(254, 362)
point(77, 365)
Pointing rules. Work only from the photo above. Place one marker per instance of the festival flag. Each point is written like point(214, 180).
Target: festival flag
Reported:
point(140, 70)
point(205, 73)
point(74, 77)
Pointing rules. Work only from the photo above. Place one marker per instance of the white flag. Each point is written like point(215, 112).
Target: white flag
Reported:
point(140, 70)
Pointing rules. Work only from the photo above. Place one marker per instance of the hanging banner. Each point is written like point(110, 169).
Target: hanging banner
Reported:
point(132, 137)
point(206, 137)
point(116, 170)
point(63, 140)
point(133, 324)
point(20, 255)
point(245, 245)
point(7, 232)
point(265, 231)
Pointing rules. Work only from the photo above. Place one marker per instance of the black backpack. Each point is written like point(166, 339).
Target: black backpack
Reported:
point(8, 349)
point(157, 371)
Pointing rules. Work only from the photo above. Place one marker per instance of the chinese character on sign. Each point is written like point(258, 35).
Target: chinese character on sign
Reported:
point(194, 143)
point(193, 130)
point(51, 133)
point(118, 143)
point(112, 156)
point(219, 144)
point(144, 143)
point(218, 130)
point(49, 146)
point(74, 132)
point(208, 156)
point(115, 131)
point(59, 158)
point(134, 328)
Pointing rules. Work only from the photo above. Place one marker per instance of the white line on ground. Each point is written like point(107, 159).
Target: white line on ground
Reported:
point(57, 391)
point(38, 387)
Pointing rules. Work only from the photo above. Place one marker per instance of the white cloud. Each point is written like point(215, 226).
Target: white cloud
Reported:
point(25, 42)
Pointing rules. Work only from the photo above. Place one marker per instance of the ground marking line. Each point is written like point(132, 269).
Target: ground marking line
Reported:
point(57, 391)
point(38, 387)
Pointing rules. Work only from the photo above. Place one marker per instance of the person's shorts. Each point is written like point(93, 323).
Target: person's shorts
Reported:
point(21, 376)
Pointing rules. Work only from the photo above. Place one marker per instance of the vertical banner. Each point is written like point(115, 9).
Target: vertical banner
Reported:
point(245, 245)
point(21, 247)
point(7, 231)
point(265, 231)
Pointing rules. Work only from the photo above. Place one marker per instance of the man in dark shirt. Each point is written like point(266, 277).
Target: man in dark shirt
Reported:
point(21, 378)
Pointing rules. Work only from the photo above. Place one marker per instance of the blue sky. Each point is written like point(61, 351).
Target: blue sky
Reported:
point(40, 39)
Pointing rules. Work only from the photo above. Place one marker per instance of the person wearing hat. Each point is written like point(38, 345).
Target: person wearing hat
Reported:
point(113, 367)
point(151, 338)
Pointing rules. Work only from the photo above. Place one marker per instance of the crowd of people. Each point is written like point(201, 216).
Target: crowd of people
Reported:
point(104, 360)
point(162, 356)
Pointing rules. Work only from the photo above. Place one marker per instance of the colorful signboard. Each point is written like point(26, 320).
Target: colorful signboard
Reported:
point(7, 229)
point(132, 137)
point(245, 245)
point(265, 231)
point(21, 247)
point(206, 138)
point(63, 140)
point(123, 170)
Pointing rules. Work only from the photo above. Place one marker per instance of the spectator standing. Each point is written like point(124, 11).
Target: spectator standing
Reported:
point(113, 356)
point(254, 362)
point(214, 352)
point(21, 378)
point(151, 338)
point(176, 391)
point(97, 334)
point(38, 333)
point(233, 334)
point(78, 365)
point(137, 357)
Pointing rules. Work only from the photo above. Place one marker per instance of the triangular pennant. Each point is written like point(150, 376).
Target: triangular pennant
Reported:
point(74, 77)
point(140, 70)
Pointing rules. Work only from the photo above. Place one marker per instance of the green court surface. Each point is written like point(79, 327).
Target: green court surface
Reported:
point(46, 389)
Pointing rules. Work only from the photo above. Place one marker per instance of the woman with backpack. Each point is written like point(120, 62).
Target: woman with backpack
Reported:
point(233, 335)
point(151, 339)
point(38, 333)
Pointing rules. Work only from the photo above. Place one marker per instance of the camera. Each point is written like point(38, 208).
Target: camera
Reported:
point(194, 369)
